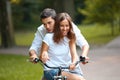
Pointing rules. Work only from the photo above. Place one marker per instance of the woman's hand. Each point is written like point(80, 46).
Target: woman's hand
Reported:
point(72, 66)
point(44, 57)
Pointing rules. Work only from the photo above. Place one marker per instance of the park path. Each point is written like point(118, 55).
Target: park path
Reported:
point(15, 50)
point(103, 64)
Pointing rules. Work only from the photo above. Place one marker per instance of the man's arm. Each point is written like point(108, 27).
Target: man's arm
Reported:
point(81, 41)
point(85, 50)
point(36, 44)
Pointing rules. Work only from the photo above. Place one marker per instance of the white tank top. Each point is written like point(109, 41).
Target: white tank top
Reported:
point(59, 54)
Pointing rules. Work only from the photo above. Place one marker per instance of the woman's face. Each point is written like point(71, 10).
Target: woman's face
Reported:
point(64, 27)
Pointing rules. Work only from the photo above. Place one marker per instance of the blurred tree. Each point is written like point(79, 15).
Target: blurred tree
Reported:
point(78, 16)
point(68, 6)
point(26, 13)
point(6, 27)
point(102, 11)
point(61, 6)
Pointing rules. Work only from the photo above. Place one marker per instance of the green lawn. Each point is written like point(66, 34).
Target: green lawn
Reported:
point(24, 38)
point(16, 67)
point(98, 34)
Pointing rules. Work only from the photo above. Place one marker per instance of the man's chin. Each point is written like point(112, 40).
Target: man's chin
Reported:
point(49, 31)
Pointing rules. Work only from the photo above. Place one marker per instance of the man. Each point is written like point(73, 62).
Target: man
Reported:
point(48, 19)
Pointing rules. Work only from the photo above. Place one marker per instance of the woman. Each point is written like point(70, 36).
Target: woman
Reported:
point(59, 49)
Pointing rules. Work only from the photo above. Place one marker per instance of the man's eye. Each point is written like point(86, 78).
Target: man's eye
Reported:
point(49, 22)
point(44, 24)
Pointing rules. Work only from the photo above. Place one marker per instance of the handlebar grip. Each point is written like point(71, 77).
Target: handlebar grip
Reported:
point(36, 60)
point(82, 59)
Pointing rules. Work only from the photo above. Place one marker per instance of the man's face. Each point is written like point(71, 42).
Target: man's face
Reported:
point(48, 24)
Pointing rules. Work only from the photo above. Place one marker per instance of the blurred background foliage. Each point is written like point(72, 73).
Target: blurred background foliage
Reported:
point(26, 13)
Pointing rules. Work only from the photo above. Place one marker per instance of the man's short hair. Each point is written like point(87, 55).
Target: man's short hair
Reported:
point(48, 12)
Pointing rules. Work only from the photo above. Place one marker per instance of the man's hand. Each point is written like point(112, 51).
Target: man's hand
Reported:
point(33, 55)
point(72, 66)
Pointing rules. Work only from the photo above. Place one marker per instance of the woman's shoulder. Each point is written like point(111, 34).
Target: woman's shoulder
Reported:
point(49, 35)
point(48, 38)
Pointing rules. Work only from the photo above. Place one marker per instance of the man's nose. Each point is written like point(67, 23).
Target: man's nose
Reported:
point(47, 26)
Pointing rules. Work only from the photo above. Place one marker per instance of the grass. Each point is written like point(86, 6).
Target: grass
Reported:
point(15, 67)
point(98, 34)
point(24, 38)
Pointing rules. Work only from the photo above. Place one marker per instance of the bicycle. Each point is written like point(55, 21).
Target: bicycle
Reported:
point(60, 68)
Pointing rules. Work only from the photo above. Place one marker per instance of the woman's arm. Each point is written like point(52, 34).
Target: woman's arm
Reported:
point(73, 53)
point(44, 54)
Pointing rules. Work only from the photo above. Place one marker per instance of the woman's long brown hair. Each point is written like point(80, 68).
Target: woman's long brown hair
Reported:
point(57, 32)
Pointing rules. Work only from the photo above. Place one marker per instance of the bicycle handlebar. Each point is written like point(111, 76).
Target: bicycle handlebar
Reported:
point(82, 59)
point(37, 60)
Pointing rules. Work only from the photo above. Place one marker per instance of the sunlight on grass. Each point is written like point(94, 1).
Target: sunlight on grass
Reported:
point(98, 34)
point(15, 67)
point(24, 38)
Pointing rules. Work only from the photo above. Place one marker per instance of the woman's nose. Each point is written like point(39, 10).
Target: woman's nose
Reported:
point(64, 28)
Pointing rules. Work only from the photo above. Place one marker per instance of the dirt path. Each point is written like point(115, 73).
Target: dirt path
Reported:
point(103, 65)
point(15, 50)
point(104, 62)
